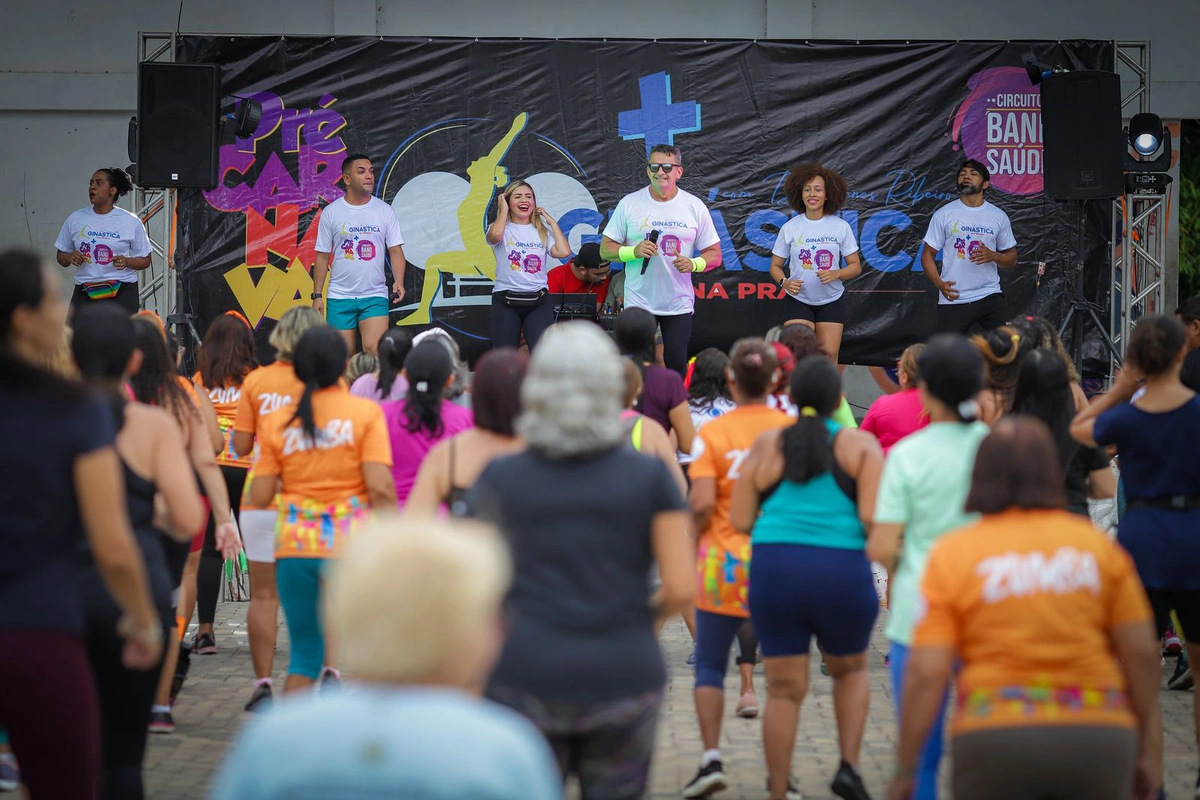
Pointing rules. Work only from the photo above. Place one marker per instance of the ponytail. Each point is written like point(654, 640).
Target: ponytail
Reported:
point(304, 412)
point(394, 347)
point(320, 358)
point(816, 388)
point(428, 367)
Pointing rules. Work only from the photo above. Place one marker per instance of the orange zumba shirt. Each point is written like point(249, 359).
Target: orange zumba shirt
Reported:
point(323, 498)
point(266, 391)
point(1026, 598)
point(723, 558)
point(225, 403)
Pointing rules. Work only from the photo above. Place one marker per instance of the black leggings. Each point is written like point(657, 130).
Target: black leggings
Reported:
point(208, 574)
point(507, 323)
point(676, 333)
point(125, 697)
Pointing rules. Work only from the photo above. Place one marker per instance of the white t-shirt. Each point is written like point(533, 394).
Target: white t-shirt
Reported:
point(957, 230)
point(522, 261)
point(702, 414)
point(685, 227)
point(357, 239)
point(101, 238)
point(811, 246)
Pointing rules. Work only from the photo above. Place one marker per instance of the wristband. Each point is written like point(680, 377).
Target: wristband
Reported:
point(699, 264)
point(626, 254)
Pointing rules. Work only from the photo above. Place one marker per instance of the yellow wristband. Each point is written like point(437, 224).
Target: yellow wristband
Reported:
point(626, 254)
point(699, 264)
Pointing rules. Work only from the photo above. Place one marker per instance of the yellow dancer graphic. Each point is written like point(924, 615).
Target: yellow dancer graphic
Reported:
point(486, 176)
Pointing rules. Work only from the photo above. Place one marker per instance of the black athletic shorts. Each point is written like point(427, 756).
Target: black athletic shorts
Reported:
point(988, 313)
point(834, 312)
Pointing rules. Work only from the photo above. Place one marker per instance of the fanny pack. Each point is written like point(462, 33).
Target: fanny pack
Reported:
point(524, 299)
point(102, 290)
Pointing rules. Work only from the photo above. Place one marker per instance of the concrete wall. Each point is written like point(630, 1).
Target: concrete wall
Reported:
point(67, 71)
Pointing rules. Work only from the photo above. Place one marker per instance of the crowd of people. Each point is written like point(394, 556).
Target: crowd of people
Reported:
point(523, 533)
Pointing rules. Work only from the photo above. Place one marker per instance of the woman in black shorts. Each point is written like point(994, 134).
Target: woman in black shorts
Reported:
point(812, 245)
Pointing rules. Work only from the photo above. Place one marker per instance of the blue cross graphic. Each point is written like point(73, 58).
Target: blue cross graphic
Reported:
point(658, 120)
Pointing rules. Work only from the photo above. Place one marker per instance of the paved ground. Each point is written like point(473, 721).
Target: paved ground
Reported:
point(209, 714)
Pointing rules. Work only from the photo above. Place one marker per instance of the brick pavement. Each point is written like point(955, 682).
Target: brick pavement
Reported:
point(209, 713)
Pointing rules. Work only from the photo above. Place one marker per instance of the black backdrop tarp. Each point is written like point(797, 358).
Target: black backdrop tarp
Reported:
point(446, 120)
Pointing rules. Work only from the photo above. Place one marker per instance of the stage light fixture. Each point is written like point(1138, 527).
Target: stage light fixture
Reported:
point(1146, 133)
point(244, 121)
point(1036, 70)
point(1145, 136)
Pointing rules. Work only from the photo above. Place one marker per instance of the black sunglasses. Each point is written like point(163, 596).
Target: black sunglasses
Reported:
point(667, 168)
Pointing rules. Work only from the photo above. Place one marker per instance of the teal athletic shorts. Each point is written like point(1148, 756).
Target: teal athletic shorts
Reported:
point(344, 313)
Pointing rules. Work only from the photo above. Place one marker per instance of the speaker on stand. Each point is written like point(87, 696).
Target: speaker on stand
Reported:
point(1083, 153)
point(177, 131)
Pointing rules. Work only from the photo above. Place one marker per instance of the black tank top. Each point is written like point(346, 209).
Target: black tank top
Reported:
point(139, 499)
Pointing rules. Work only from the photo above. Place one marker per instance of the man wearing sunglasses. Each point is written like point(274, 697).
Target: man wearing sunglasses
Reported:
point(658, 274)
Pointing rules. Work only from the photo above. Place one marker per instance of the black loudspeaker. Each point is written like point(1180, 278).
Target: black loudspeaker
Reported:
point(178, 131)
point(1082, 142)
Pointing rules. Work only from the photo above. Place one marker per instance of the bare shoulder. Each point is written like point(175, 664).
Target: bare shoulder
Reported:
point(858, 441)
point(149, 418)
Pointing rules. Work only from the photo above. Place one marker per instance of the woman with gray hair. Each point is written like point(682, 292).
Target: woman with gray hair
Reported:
point(417, 608)
point(586, 517)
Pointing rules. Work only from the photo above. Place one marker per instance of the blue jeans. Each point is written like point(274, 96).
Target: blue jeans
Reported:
point(931, 755)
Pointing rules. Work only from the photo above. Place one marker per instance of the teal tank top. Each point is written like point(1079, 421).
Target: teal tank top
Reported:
point(816, 514)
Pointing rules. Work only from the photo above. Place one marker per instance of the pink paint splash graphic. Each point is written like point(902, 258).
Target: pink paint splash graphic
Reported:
point(1010, 142)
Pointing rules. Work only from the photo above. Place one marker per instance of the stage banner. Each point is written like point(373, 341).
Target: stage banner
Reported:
point(448, 122)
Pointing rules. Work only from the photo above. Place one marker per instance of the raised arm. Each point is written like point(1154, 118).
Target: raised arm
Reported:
point(1084, 424)
point(495, 231)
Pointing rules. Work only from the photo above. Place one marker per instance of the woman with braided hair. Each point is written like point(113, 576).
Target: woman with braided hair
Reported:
point(106, 245)
point(1003, 349)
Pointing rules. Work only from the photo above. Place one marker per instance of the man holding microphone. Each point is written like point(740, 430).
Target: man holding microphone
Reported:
point(658, 268)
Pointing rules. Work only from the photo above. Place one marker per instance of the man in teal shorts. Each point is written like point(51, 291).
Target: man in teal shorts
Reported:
point(356, 236)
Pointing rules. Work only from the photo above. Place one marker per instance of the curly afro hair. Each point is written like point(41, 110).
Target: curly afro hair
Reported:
point(835, 187)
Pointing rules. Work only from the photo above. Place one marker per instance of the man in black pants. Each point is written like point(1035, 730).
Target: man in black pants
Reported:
point(976, 240)
point(658, 268)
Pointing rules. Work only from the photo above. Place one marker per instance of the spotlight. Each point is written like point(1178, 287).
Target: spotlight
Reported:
point(1147, 135)
point(244, 121)
point(1035, 69)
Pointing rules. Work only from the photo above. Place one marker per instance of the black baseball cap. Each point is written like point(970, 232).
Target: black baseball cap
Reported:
point(588, 256)
point(979, 167)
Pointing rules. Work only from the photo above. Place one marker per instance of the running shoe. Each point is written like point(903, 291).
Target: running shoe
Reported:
point(261, 700)
point(747, 707)
point(691, 659)
point(887, 659)
point(1172, 644)
point(204, 644)
point(161, 722)
point(848, 784)
point(824, 668)
point(1182, 680)
point(10, 775)
point(710, 778)
point(792, 793)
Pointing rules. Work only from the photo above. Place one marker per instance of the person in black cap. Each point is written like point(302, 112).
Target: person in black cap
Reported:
point(587, 273)
point(976, 240)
